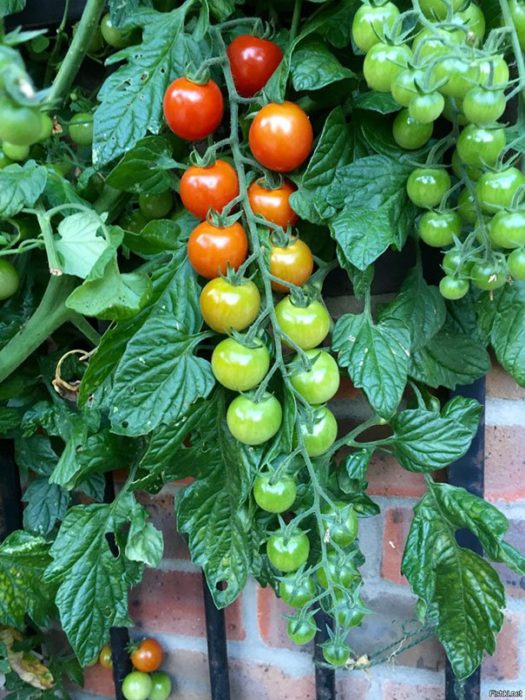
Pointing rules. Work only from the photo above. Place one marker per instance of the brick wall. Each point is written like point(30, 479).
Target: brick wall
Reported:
point(264, 665)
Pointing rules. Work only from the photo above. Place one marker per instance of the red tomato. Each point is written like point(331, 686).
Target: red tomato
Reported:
point(252, 62)
point(273, 204)
point(293, 263)
point(211, 249)
point(202, 189)
point(193, 111)
point(281, 136)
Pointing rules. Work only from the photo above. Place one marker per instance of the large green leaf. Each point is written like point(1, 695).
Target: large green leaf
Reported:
point(46, 504)
point(20, 186)
point(314, 66)
point(334, 23)
point(140, 169)
point(9, 7)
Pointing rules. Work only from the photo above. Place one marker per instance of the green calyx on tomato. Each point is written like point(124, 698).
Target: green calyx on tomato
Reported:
point(288, 552)
point(239, 367)
point(321, 435)
point(274, 494)
point(253, 423)
point(371, 22)
point(426, 187)
point(307, 326)
point(320, 383)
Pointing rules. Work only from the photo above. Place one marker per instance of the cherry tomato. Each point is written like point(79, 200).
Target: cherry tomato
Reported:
point(14, 152)
point(81, 128)
point(113, 36)
point(239, 367)
point(4, 160)
point(488, 275)
point(426, 187)
point(425, 109)
point(517, 10)
point(493, 72)
point(482, 106)
point(458, 168)
point(370, 22)
point(459, 75)
point(254, 423)
point(454, 263)
point(438, 9)
point(105, 657)
point(474, 18)
point(211, 249)
point(137, 686)
point(342, 523)
point(133, 221)
point(306, 326)
point(301, 630)
point(46, 127)
point(322, 434)
point(383, 63)
point(438, 228)
point(273, 204)
point(516, 264)
point(252, 62)
point(193, 111)
point(281, 136)
point(507, 229)
point(9, 279)
point(466, 207)
point(347, 616)
point(161, 689)
point(408, 133)
point(336, 652)
point(320, 383)
point(20, 126)
point(498, 189)
point(404, 87)
point(341, 572)
point(288, 553)
point(155, 206)
point(431, 43)
point(296, 591)
point(479, 146)
point(293, 263)
point(148, 656)
point(226, 307)
point(274, 495)
point(212, 187)
point(453, 288)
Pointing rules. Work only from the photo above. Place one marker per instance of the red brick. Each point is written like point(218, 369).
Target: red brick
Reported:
point(99, 681)
point(405, 691)
point(272, 621)
point(504, 463)
point(257, 681)
point(514, 583)
point(172, 602)
point(500, 385)
point(351, 685)
point(162, 512)
point(397, 525)
point(387, 478)
point(504, 664)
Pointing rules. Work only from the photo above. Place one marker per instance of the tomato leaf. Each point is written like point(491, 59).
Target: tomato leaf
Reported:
point(138, 171)
point(122, 10)
point(46, 504)
point(9, 7)
point(334, 23)
point(145, 543)
point(377, 358)
point(20, 186)
point(80, 243)
point(313, 66)
point(156, 237)
point(381, 102)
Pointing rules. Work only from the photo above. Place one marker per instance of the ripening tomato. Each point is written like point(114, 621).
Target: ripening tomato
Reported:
point(479, 146)
point(105, 657)
point(193, 111)
point(226, 306)
point(239, 367)
point(383, 63)
point(281, 136)
point(296, 591)
point(306, 326)
point(275, 495)
point(293, 263)
point(507, 229)
point(148, 655)
point(496, 190)
point(211, 187)
point(253, 423)
point(212, 248)
point(320, 383)
point(288, 552)
point(252, 61)
point(370, 22)
point(322, 434)
point(273, 203)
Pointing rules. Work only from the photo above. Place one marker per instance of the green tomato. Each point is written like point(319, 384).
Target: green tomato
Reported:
point(459, 76)
point(493, 72)
point(438, 228)
point(383, 63)
point(4, 160)
point(370, 23)
point(238, 367)
point(20, 126)
point(306, 326)
point(474, 18)
point(517, 10)
point(453, 288)
point(296, 591)
point(341, 572)
point(155, 206)
point(507, 229)
point(320, 383)
point(323, 433)
point(9, 279)
point(301, 630)
point(454, 263)
point(431, 43)
point(254, 423)
point(137, 686)
point(408, 133)
point(81, 128)
point(516, 264)
point(46, 127)
point(133, 221)
point(117, 38)
point(438, 9)
point(459, 168)
point(14, 152)
point(426, 187)
point(336, 652)
point(425, 109)
point(288, 553)
point(488, 275)
point(274, 495)
point(467, 207)
point(404, 87)
point(479, 146)
point(496, 190)
point(482, 106)
point(161, 689)
point(341, 522)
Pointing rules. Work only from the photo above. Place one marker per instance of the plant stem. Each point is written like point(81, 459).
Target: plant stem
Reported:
point(86, 329)
point(518, 54)
point(296, 18)
point(76, 52)
point(55, 266)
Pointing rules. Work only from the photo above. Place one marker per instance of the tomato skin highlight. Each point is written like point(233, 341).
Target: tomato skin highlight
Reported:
point(238, 367)
point(148, 656)
point(323, 434)
point(193, 111)
point(226, 307)
point(307, 326)
point(294, 263)
point(289, 554)
point(507, 229)
point(9, 279)
point(319, 384)
point(211, 249)
point(281, 136)
point(211, 187)
point(273, 204)
point(274, 495)
point(254, 423)
point(252, 61)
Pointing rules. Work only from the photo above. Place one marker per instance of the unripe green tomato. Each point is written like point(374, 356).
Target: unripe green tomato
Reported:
point(426, 187)
point(137, 686)
point(454, 264)
point(18, 125)
point(323, 433)
point(9, 279)
point(516, 264)
point(274, 495)
point(15, 152)
point(459, 76)
point(430, 43)
point(336, 653)
point(342, 523)
point(517, 10)
point(301, 630)
point(493, 72)
point(370, 22)
point(498, 189)
point(161, 686)
point(341, 572)
point(507, 229)
point(438, 9)
point(479, 146)
point(306, 326)
point(133, 221)
point(408, 133)
point(156, 206)
point(346, 616)
point(425, 109)
point(238, 367)
point(458, 168)
point(467, 207)
point(404, 87)
point(482, 106)
point(474, 18)
point(438, 229)
point(383, 63)
point(295, 591)
point(46, 126)
point(488, 275)
point(288, 553)
point(62, 167)
point(81, 128)
point(117, 38)
point(453, 288)
point(4, 160)
point(319, 384)
point(254, 423)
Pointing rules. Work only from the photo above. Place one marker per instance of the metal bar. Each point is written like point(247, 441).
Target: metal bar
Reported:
point(468, 472)
point(324, 677)
point(217, 651)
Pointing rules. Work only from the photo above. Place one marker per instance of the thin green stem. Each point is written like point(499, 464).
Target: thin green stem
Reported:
point(55, 266)
point(86, 329)
point(296, 18)
point(58, 44)
point(518, 54)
